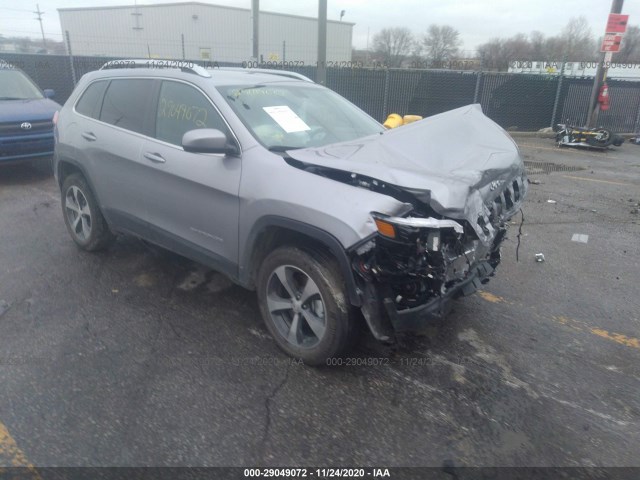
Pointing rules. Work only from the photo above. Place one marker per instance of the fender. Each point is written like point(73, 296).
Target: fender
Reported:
point(83, 171)
point(323, 237)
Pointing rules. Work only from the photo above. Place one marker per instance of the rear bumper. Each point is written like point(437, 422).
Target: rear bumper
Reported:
point(419, 318)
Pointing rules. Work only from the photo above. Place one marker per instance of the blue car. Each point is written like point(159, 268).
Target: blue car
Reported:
point(26, 117)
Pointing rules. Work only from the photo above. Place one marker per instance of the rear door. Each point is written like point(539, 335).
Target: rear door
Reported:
point(112, 146)
point(191, 197)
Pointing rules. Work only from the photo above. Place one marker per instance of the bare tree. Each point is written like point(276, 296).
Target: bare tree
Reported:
point(630, 48)
point(575, 42)
point(554, 49)
point(517, 48)
point(441, 43)
point(537, 45)
point(578, 40)
point(497, 53)
point(393, 45)
point(491, 55)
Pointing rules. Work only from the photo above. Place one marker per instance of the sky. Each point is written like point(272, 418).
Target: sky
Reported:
point(477, 20)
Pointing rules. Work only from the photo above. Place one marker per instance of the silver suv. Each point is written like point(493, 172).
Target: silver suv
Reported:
point(290, 190)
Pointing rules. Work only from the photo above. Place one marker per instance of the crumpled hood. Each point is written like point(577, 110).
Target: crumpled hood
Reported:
point(460, 159)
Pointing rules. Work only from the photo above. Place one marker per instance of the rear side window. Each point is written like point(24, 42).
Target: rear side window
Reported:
point(182, 108)
point(125, 104)
point(91, 100)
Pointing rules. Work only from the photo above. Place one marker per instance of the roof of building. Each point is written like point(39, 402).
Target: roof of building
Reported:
point(200, 4)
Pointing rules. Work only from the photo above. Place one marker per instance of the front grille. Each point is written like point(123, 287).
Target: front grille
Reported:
point(26, 146)
point(14, 128)
point(503, 203)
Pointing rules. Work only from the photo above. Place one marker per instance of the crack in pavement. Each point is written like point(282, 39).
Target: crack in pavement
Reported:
point(267, 405)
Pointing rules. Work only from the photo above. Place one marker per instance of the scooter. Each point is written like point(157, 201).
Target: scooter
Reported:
point(569, 135)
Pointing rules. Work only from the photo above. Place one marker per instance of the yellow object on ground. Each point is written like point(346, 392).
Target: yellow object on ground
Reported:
point(411, 118)
point(394, 120)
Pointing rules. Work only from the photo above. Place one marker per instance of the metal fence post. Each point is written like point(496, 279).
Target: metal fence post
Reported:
point(558, 90)
point(636, 128)
point(385, 105)
point(476, 94)
point(73, 69)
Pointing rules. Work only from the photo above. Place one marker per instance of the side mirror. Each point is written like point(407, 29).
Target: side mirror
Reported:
point(208, 140)
point(49, 93)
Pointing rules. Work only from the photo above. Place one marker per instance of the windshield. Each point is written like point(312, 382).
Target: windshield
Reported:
point(15, 85)
point(284, 117)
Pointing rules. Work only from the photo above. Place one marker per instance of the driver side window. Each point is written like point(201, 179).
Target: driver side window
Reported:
point(182, 108)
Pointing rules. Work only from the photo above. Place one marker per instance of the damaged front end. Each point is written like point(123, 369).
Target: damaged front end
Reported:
point(457, 198)
point(411, 270)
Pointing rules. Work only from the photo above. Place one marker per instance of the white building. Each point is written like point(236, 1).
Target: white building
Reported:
point(200, 31)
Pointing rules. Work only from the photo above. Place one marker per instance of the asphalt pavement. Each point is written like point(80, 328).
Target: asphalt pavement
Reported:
point(139, 357)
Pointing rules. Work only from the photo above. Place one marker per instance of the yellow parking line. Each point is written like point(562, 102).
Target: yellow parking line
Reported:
point(598, 181)
point(617, 337)
point(575, 324)
point(490, 297)
point(12, 456)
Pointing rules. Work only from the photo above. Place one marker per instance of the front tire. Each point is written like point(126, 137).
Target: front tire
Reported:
point(603, 138)
point(304, 304)
point(83, 217)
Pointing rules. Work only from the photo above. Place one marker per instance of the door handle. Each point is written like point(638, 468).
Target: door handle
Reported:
point(154, 157)
point(89, 136)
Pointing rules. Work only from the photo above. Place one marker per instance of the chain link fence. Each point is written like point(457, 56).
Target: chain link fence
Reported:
point(516, 101)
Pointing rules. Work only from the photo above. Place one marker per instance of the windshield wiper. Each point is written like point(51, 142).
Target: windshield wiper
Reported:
point(237, 93)
point(282, 148)
point(12, 98)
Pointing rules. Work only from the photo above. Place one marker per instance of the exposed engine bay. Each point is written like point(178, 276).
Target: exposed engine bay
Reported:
point(420, 255)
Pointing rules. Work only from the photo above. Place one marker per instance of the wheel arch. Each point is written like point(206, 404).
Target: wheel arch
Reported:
point(271, 232)
point(65, 168)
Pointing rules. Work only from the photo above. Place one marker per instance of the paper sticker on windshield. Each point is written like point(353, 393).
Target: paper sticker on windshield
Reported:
point(287, 119)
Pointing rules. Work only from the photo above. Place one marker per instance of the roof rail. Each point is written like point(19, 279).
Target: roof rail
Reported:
point(183, 65)
point(271, 71)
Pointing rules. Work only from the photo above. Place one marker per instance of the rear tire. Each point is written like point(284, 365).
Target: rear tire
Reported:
point(83, 217)
point(303, 301)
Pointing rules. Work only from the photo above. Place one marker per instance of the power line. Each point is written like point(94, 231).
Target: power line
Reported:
point(28, 31)
point(16, 9)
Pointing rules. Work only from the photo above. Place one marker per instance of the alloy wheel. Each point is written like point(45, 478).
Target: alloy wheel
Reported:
point(296, 306)
point(78, 213)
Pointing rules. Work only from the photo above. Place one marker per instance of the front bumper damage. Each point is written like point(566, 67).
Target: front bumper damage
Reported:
point(410, 272)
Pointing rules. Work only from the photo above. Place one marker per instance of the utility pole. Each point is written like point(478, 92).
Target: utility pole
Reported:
point(73, 69)
point(321, 71)
point(255, 19)
point(39, 13)
point(367, 62)
point(601, 75)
